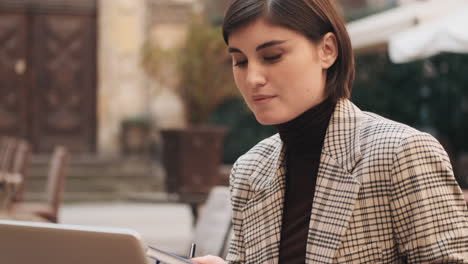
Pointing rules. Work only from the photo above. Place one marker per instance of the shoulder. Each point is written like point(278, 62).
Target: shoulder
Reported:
point(376, 125)
point(263, 153)
point(256, 163)
point(366, 132)
point(379, 133)
point(377, 129)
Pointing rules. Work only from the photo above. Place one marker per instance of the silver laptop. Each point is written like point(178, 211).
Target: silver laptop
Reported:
point(42, 243)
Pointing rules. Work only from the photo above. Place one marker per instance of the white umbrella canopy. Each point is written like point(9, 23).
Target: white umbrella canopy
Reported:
point(446, 34)
point(376, 30)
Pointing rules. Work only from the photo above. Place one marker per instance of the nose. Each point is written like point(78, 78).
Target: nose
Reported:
point(255, 76)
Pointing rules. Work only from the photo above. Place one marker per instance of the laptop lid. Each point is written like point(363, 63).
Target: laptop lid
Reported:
point(44, 243)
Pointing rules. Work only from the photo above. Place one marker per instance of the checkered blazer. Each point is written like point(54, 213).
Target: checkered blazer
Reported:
point(385, 193)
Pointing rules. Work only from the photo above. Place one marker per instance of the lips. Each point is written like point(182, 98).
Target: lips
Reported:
point(258, 99)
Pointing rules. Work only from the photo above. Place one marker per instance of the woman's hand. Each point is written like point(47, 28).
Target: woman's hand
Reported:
point(208, 259)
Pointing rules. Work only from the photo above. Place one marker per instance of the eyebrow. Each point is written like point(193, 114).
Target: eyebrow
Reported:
point(259, 47)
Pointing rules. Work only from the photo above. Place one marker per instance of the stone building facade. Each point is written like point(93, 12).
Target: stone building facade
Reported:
point(124, 91)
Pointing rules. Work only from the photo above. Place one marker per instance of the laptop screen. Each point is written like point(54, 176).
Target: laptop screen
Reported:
point(44, 243)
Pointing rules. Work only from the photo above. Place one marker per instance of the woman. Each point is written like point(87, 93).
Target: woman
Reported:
point(336, 185)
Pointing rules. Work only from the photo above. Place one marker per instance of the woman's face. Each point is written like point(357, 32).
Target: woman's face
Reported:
point(279, 72)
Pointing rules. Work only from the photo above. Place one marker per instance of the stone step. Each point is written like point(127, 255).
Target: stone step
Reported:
point(93, 178)
point(96, 178)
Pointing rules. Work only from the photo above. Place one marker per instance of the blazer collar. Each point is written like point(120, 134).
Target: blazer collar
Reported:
point(342, 138)
point(336, 188)
point(341, 144)
point(269, 168)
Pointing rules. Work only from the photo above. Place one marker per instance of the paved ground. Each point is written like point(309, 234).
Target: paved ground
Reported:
point(168, 226)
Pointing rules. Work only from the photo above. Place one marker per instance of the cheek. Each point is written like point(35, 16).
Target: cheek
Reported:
point(306, 75)
point(295, 77)
point(302, 84)
point(238, 79)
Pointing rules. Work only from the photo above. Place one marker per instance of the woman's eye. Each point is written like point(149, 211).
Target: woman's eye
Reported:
point(240, 63)
point(272, 58)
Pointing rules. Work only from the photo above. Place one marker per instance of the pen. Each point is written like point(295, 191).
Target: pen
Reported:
point(192, 250)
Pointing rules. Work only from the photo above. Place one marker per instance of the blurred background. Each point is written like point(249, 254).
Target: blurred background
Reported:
point(140, 92)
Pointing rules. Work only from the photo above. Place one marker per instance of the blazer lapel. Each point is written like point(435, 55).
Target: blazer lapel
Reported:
point(336, 189)
point(268, 183)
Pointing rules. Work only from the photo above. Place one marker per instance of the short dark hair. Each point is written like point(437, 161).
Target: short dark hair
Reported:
point(311, 18)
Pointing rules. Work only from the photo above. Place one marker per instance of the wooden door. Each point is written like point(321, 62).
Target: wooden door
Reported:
point(13, 74)
point(48, 72)
point(64, 97)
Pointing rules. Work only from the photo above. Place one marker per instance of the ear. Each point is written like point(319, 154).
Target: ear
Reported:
point(328, 50)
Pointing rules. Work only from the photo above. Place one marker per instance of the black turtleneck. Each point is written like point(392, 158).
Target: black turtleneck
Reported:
point(303, 138)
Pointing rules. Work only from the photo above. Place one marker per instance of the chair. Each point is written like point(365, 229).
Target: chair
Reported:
point(55, 186)
point(14, 158)
point(20, 166)
point(7, 152)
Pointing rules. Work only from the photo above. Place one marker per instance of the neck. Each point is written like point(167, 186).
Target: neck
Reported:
point(307, 131)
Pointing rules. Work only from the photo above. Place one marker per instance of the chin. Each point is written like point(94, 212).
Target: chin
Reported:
point(269, 120)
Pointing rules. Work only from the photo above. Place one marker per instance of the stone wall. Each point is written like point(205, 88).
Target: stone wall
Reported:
point(168, 22)
point(124, 91)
